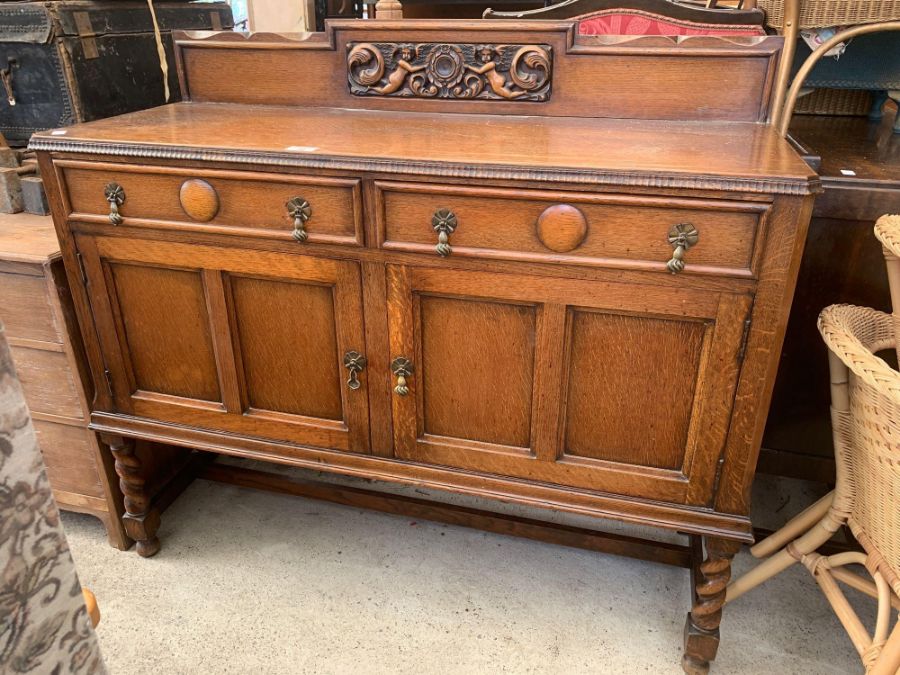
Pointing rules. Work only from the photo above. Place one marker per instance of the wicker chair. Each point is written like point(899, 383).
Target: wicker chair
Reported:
point(825, 13)
point(887, 229)
point(791, 16)
point(865, 412)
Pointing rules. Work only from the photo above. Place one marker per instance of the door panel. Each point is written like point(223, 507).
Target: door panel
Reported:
point(610, 387)
point(276, 356)
point(461, 337)
point(645, 403)
point(247, 342)
point(169, 343)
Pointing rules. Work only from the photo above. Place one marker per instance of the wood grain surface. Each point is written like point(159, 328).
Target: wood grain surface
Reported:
point(199, 199)
point(402, 141)
point(699, 78)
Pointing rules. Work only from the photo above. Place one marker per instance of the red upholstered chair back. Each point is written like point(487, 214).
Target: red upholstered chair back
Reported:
point(648, 17)
point(637, 22)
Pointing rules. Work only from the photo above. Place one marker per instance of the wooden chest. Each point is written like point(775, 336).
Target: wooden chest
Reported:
point(469, 256)
point(36, 310)
point(73, 61)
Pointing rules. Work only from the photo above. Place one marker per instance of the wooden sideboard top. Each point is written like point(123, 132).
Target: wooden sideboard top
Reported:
point(652, 153)
point(27, 238)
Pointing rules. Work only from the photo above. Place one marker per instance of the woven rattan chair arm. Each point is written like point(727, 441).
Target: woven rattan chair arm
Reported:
point(887, 229)
point(854, 334)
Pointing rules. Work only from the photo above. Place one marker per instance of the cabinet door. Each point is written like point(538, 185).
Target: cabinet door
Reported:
point(244, 341)
point(611, 387)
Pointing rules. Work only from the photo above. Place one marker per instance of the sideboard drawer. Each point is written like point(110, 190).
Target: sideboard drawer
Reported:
point(276, 206)
point(611, 230)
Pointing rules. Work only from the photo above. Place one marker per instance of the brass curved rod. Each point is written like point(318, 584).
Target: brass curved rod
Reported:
point(790, 29)
point(813, 59)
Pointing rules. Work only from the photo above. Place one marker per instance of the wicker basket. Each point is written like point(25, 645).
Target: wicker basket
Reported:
point(867, 433)
point(835, 102)
point(887, 230)
point(825, 13)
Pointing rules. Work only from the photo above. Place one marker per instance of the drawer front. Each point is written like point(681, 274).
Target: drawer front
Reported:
point(25, 308)
point(69, 455)
point(224, 202)
point(47, 382)
point(577, 228)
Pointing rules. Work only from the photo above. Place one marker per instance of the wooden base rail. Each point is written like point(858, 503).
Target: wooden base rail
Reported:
point(412, 507)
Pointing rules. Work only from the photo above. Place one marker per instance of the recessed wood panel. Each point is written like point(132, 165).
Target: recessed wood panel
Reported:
point(166, 326)
point(478, 369)
point(289, 346)
point(630, 390)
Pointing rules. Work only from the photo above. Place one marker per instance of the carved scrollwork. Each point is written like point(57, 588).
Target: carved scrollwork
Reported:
point(452, 71)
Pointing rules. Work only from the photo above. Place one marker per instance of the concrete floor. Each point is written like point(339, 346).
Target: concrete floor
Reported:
point(252, 582)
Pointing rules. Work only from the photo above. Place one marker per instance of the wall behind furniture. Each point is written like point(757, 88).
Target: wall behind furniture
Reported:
point(280, 16)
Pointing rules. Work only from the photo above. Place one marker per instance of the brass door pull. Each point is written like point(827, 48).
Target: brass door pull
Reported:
point(402, 368)
point(115, 195)
point(444, 223)
point(300, 210)
point(355, 363)
point(682, 237)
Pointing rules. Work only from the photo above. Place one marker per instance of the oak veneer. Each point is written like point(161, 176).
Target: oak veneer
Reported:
point(199, 199)
point(376, 294)
point(561, 227)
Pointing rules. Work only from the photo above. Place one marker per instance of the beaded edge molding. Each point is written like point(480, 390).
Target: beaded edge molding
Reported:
point(440, 169)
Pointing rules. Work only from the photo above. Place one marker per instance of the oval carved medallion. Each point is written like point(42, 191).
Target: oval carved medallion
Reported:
point(199, 199)
point(561, 228)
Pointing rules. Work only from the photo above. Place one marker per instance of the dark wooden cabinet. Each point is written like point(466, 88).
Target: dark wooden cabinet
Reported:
point(842, 263)
point(467, 272)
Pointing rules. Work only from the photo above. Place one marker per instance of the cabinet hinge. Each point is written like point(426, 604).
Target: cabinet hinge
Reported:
point(744, 337)
point(81, 269)
point(108, 376)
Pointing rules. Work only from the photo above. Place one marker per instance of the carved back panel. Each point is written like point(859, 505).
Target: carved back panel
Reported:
point(496, 67)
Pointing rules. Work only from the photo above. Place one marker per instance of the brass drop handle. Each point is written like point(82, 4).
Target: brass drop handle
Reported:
point(682, 237)
point(355, 363)
point(115, 195)
point(300, 210)
point(444, 223)
point(402, 368)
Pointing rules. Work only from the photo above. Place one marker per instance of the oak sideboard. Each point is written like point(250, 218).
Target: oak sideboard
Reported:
point(490, 258)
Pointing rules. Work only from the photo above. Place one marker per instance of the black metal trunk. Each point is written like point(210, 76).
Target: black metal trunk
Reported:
point(68, 62)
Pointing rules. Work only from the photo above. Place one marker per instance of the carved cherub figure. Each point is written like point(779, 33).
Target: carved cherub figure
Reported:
point(488, 68)
point(407, 53)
